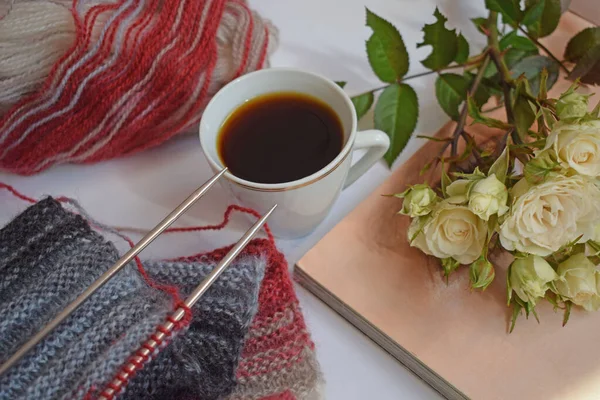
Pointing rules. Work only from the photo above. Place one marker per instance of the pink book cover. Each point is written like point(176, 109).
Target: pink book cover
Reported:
point(455, 339)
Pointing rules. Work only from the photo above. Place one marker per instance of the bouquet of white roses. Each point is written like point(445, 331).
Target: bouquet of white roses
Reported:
point(545, 212)
point(536, 194)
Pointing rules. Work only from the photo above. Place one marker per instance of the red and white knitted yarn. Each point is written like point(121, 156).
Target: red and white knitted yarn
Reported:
point(91, 80)
point(278, 361)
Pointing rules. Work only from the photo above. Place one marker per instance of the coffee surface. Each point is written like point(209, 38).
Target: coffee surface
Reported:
point(280, 137)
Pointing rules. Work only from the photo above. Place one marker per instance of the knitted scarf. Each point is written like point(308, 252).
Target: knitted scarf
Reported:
point(246, 338)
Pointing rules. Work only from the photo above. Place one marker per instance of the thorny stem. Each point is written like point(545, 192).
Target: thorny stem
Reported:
point(492, 109)
point(460, 125)
point(420, 74)
point(541, 46)
point(505, 77)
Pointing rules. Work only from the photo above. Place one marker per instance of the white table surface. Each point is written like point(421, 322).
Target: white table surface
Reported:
point(323, 36)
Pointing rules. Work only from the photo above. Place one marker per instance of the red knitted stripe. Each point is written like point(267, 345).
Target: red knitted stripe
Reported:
point(276, 295)
point(295, 333)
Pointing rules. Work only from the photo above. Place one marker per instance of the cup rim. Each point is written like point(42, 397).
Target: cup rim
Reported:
point(217, 165)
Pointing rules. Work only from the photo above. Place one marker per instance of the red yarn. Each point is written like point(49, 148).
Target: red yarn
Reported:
point(16, 193)
point(145, 79)
point(223, 224)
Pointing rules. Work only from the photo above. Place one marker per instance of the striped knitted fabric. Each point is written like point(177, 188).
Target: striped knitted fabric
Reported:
point(278, 360)
point(246, 340)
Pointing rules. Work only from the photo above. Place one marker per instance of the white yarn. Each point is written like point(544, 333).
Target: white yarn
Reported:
point(33, 36)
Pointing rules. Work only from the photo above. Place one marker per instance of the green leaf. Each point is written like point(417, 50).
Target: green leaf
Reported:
point(505, 41)
point(524, 116)
point(449, 265)
point(443, 41)
point(426, 167)
point(542, 167)
point(386, 50)
point(515, 41)
point(581, 43)
point(532, 67)
point(548, 117)
point(549, 19)
point(451, 90)
point(588, 68)
point(379, 61)
point(516, 311)
point(482, 94)
point(362, 103)
point(533, 12)
point(422, 222)
point(509, 289)
point(492, 225)
point(567, 314)
point(434, 139)
point(514, 56)
point(510, 10)
point(480, 23)
point(484, 90)
point(396, 113)
point(462, 49)
point(340, 83)
point(500, 166)
point(474, 112)
point(446, 181)
point(531, 309)
point(490, 71)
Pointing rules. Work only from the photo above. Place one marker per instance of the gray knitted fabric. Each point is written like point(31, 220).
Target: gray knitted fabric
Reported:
point(49, 255)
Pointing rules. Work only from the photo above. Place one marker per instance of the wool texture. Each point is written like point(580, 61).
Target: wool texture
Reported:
point(246, 339)
point(88, 80)
point(49, 256)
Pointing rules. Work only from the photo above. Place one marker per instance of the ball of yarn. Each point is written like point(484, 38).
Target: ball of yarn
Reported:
point(87, 81)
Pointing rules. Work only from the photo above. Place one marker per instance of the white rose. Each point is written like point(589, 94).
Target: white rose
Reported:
point(530, 277)
point(418, 200)
point(451, 231)
point(488, 197)
point(577, 146)
point(578, 281)
point(552, 214)
point(596, 235)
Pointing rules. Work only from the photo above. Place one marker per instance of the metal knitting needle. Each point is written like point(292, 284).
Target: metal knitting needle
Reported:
point(143, 353)
point(127, 257)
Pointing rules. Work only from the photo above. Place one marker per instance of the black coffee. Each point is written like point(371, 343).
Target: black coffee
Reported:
point(280, 137)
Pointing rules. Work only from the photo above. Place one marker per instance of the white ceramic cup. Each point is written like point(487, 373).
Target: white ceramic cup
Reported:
point(303, 203)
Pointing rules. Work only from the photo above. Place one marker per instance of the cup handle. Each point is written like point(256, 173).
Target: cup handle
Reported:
point(377, 143)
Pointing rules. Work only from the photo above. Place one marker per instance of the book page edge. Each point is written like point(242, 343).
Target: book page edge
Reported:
point(406, 358)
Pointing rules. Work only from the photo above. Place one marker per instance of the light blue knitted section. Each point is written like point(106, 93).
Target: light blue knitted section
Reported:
point(48, 256)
